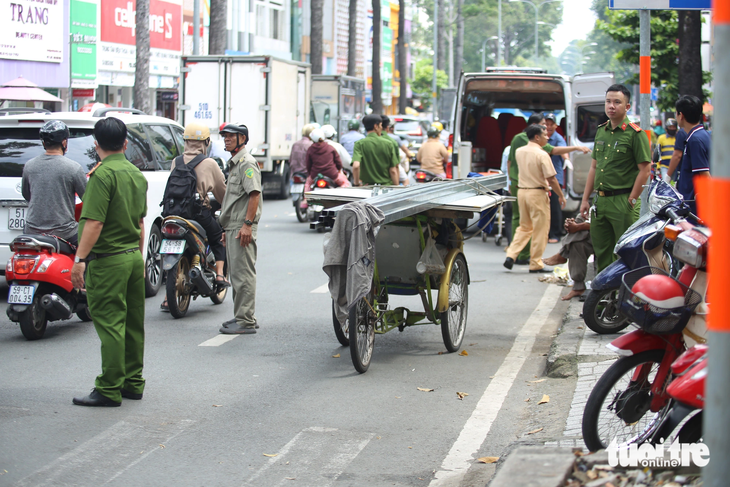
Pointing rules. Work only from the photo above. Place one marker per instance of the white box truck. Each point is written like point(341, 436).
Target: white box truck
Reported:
point(337, 99)
point(269, 95)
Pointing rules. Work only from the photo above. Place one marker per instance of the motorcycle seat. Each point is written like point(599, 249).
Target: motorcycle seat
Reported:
point(198, 228)
point(189, 223)
point(60, 246)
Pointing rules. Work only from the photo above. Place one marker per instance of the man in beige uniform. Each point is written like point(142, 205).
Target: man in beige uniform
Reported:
point(536, 171)
point(433, 155)
point(240, 214)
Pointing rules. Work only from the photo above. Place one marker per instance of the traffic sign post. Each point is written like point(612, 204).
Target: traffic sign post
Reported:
point(660, 4)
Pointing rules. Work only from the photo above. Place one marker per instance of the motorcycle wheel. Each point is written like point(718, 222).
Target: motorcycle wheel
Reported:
point(601, 313)
point(618, 405)
point(153, 263)
point(453, 320)
point(33, 320)
point(83, 314)
point(178, 297)
point(342, 330)
point(691, 432)
point(301, 212)
point(362, 331)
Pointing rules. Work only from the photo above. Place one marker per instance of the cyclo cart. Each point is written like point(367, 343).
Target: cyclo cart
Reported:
point(419, 250)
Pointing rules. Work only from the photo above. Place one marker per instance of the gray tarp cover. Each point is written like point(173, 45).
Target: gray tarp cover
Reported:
point(349, 255)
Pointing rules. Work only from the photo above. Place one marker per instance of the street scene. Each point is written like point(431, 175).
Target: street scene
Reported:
point(447, 243)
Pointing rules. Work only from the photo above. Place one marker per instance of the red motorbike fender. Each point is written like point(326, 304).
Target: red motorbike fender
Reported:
point(637, 341)
point(690, 388)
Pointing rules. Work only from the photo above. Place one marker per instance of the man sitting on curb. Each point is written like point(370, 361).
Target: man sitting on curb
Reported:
point(576, 249)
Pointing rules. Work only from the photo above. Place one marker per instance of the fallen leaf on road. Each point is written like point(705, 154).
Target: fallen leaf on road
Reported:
point(162, 446)
point(527, 400)
point(536, 381)
point(423, 389)
point(270, 454)
point(462, 395)
point(488, 459)
point(591, 474)
point(463, 353)
point(472, 344)
point(492, 376)
point(534, 431)
point(441, 353)
point(290, 478)
point(545, 399)
point(336, 356)
point(217, 405)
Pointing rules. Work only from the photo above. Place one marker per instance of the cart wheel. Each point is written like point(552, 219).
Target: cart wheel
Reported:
point(453, 320)
point(362, 331)
point(498, 241)
point(342, 330)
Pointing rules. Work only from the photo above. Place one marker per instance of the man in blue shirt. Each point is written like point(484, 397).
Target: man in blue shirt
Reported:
point(676, 160)
point(556, 213)
point(696, 158)
point(353, 135)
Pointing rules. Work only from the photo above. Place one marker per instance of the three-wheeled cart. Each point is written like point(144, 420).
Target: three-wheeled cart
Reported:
point(419, 252)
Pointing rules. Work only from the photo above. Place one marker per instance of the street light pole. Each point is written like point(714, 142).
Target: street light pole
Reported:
point(484, 52)
point(537, 19)
point(435, 54)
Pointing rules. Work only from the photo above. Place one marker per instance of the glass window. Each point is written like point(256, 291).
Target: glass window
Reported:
point(138, 151)
point(19, 145)
point(588, 119)
point(163, 143)
point(178, 133)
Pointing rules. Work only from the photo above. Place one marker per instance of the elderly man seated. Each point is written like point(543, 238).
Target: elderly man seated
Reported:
point(576, 249)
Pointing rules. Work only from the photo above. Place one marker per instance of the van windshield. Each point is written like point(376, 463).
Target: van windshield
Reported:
point(588, 118)
point(19, 145)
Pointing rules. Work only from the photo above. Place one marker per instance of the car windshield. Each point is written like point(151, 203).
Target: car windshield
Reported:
point(19, 145)
point(406, 126)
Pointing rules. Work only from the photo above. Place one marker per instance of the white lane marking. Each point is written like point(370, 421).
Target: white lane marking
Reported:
point(218, 340)
point(475, 431)
point(106, 456)
point(315, 456)
point(323, 289)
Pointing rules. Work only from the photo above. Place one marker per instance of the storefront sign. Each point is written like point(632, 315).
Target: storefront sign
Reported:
point(32, 30)
point(83, 93)
point(84, 37)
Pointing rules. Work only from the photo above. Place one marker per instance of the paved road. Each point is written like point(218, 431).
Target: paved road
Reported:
point(277, 408)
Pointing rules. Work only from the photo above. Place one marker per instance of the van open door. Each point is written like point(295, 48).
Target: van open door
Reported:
point(587, 113)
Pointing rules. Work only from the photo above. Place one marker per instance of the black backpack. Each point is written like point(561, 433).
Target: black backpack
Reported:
point(181, 193)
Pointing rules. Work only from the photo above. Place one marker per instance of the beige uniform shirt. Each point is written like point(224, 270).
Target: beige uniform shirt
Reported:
point(431, 155)
point(244, 177)
point(534, 166)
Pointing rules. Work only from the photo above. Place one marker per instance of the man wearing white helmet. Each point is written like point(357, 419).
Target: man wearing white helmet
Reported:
point(329, 134)
point(323, 159)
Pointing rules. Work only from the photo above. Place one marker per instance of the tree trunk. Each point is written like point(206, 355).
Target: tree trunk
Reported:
point(376, 102)
point(440, 22)
point(316, 36)
point(142, 62)
point(218, 27)
point(690, 59)
point(402, 61)
point(459, 45)
point(352, 39)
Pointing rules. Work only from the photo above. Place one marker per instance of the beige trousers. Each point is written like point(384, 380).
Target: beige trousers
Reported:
point(242, 275)
point(534, 207)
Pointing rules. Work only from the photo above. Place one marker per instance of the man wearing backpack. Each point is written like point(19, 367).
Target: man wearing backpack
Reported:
point(192, 177)
point(240, 214)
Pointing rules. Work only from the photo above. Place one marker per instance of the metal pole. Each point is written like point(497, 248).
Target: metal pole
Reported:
point(484, 55)
point(645, 84)
point(716, 418)
point(499, 35)
point(435, 55)
point(537, 19)
point(196, 27)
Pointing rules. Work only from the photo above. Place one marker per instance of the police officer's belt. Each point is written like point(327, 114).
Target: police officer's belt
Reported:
point(542, 188)
point(615, 192)
point(94, 256)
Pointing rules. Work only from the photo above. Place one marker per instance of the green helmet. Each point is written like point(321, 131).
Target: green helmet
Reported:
point(433, 132)
point(353, 125)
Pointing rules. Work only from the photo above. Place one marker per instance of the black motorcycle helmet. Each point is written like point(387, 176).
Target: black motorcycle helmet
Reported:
point(235, 128)
point(53, 133)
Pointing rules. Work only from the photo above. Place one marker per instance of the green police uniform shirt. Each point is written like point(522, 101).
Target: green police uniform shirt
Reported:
point(376, 156)
point(520, 140)
point(244, 177)
point(618, 152)
point(116, 195)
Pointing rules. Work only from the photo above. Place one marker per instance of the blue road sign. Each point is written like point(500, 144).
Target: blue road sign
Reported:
point(654, 94)
point(660, 4)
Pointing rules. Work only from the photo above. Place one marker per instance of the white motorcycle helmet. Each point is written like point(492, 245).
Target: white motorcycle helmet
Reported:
point(316, 135)
point(329, 131)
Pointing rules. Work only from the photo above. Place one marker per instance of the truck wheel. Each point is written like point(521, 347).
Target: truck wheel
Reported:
point(285, 190)
point(33, 320)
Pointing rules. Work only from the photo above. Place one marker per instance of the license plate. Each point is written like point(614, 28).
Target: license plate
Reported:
point(172, 246)
point(16, 219)
point(21, 294)
point(296, 189)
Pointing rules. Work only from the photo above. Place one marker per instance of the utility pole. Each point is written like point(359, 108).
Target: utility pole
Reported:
point(499, 34)
point(435, 55)
point(645, 85)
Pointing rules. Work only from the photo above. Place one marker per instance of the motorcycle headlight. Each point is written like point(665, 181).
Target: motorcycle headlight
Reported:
point(689, 248)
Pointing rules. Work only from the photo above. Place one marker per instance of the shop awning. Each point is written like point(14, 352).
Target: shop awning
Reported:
point(20, 89)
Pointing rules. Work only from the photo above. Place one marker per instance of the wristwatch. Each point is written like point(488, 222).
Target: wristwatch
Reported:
point(248, 222)
point(78, 259)
point(632, 201)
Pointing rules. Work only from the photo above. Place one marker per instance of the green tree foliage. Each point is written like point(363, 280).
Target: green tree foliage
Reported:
point(422, 82)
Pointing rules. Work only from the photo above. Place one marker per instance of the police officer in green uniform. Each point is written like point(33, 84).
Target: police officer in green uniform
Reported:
point(620, 168)
point(375, 158)
point(111, 238)
point(240, 215)
point(521, 140)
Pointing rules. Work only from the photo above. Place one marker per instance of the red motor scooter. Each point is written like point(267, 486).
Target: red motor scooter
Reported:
point(630, 402)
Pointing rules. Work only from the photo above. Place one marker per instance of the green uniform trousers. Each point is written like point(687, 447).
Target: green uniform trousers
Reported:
point(612, 216)
point(242, 273)
point(525, 252)
point(115, 291)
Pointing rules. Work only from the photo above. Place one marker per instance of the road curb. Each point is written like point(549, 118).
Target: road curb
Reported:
point(535, 466)
point(562, 360)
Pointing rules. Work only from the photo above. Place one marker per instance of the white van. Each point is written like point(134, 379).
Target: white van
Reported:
point(491, 108)
point(153, 142)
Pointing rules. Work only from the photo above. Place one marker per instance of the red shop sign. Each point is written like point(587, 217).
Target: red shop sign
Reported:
point(118, 23)
point(82, 93)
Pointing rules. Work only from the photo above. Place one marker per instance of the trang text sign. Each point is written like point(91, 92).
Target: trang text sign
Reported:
point(32, 30)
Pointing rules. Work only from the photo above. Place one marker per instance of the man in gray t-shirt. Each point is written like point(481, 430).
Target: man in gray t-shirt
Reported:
point(50, 185)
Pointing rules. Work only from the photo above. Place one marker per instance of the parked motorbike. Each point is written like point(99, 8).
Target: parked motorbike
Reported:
point(642, 244)
point(313, 211)
point(424, 176)
point(189, 263)
point(631, 401)
point(297, 195)
point(39, 275)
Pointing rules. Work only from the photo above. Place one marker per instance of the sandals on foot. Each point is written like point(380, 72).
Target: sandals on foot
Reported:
point(164, 307)
point(222, 282)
